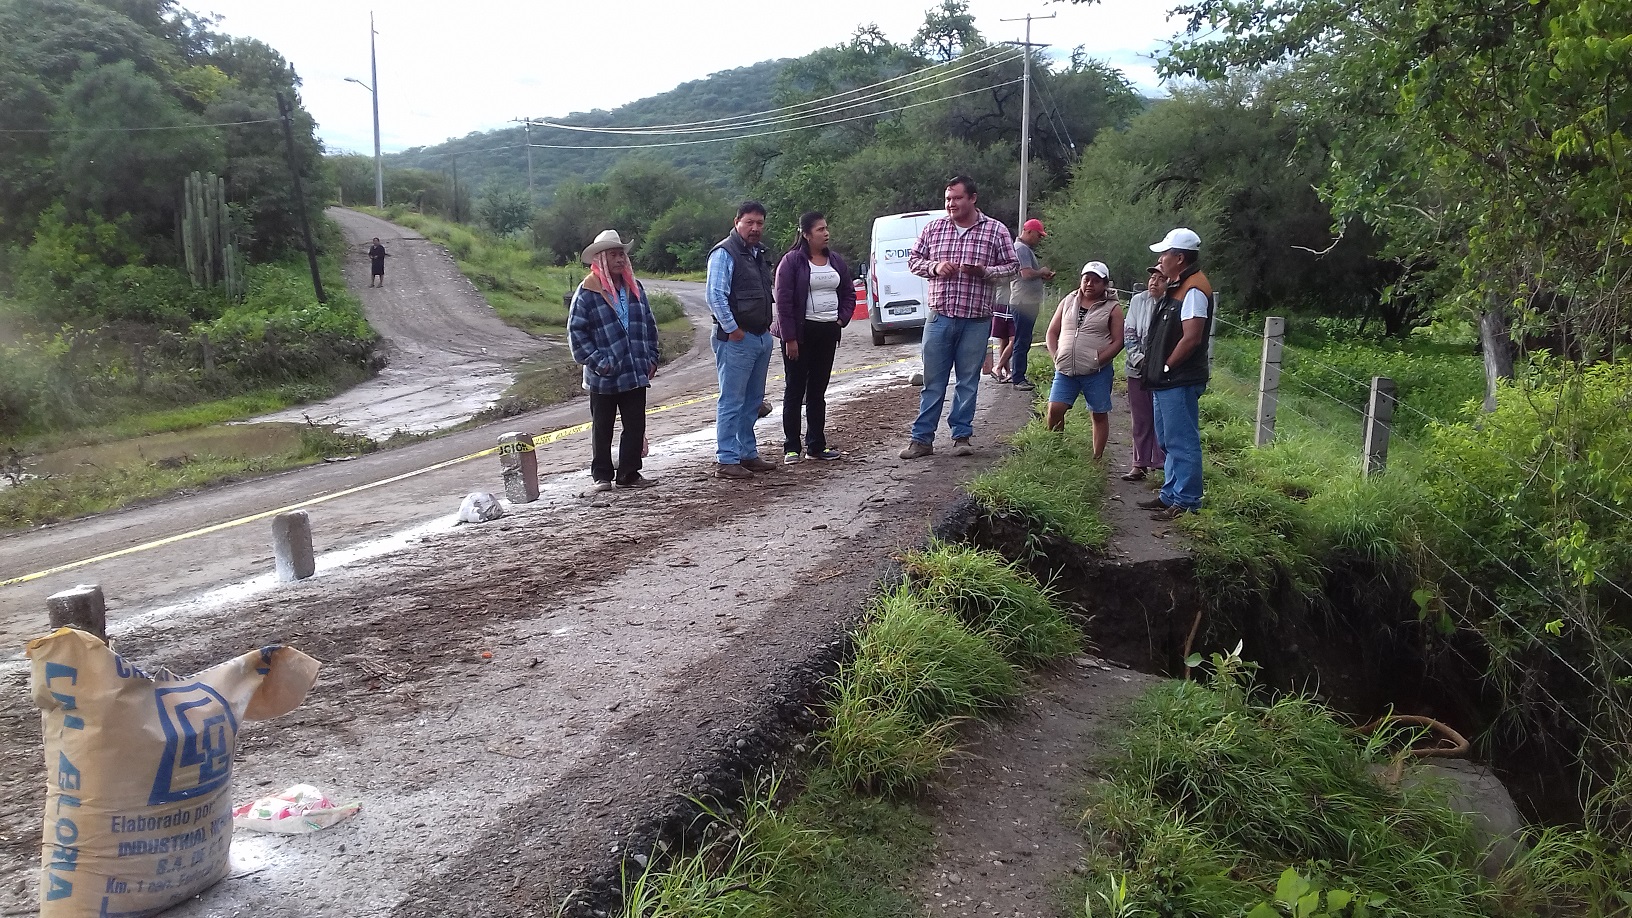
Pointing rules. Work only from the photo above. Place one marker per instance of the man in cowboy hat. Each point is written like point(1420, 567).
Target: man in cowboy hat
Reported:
point(613, 334)
point(1175, 370)
point(740, 282)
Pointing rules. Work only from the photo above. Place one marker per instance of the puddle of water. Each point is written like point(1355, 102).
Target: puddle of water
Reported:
point(227, 442)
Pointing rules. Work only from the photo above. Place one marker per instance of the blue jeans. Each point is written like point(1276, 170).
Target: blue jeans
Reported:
point(1178, 430)
point(741, 366)
point(951, 344)
point(1025, 323)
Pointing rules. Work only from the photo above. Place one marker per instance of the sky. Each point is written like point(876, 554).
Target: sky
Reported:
point(447, 70)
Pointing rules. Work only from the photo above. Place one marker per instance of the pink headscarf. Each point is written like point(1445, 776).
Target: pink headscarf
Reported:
point(601, 267)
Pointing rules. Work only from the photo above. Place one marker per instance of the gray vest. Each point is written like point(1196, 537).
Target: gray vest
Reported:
point(752, 280)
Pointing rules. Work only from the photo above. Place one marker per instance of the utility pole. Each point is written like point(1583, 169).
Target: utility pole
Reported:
point(300, 199)
point(1025, 109)
point(374, 90)
point(528, 128)
point(454, 158)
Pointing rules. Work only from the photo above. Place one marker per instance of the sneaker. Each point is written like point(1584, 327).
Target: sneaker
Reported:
point(757, 464)
point(827, 454)
point(1152, 503)
point(731, 470)
point(1134, 474)
point(636, 480)
point(962, 447)
point(917, 449)
point(1025, 385)
point(601, 486)
point(790, 458)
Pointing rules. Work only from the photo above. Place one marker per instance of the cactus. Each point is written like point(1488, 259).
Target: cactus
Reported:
point(208, 250)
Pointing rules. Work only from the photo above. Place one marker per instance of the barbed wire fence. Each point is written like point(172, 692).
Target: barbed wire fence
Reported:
point(1609, 668)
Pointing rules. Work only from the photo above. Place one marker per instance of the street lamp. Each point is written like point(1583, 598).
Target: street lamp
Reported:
point(373, 91)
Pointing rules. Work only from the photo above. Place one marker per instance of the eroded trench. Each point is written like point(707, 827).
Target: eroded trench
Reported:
point(1360, 647)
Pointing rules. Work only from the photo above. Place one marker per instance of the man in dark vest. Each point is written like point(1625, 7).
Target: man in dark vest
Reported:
point(1175, 371)
point(740, 280)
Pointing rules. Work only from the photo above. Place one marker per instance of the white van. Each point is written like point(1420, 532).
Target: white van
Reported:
point(897, 299)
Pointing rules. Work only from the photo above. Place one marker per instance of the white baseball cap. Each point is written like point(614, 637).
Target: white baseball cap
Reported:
point(1097, 267)
point(1180, 238)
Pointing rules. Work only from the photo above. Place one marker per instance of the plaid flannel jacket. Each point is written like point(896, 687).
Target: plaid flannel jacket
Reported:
point(615, 359)
point(987, 244)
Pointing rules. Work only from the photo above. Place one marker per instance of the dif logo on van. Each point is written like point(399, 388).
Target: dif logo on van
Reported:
point(198, 731)
point(897, 254)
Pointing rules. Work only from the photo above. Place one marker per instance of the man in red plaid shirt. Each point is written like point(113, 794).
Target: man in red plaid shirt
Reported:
point(963, 254)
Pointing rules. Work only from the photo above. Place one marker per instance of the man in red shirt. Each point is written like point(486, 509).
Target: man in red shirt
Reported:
point(961, 254)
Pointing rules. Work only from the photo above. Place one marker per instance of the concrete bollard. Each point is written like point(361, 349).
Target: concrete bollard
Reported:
point(292, 546)
point(518, 467)
point(81, 607)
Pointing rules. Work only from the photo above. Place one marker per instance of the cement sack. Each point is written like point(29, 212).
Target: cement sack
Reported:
point(138, 807)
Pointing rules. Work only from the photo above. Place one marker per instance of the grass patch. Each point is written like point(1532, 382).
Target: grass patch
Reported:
point(1213, 794)
point(827, 853)
point(1000, 601)
point(47, 500)
point(941, 648)
point(1050, 480)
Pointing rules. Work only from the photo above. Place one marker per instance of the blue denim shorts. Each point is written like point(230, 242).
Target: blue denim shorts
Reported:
point(1095, 389)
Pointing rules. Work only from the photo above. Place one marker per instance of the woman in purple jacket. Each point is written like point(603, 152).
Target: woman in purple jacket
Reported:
point(814, 299)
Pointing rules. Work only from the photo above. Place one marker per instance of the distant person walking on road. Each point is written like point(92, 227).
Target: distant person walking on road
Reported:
point(376, 263)
point(1085, 336)
point(613, 334)
point(961, 254)
point(1026, 300)
point(1147, 453)
point(814, 299)
point(1176, 370)
point(740, 282)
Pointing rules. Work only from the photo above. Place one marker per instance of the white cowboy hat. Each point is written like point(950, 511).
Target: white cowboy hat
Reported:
point(608, 239)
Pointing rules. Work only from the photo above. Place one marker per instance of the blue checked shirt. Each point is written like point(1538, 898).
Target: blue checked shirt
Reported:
point(616, 358)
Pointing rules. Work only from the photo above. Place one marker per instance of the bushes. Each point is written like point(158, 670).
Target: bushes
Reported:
point(1050, 481)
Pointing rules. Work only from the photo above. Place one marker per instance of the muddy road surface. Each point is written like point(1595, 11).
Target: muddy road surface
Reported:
point(448, 355)
point(507, 700)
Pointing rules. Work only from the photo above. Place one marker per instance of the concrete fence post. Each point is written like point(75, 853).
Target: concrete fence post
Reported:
point(1269, 379)
point(518, 467)
point(81, 607)
point(1212, 331)
point(1379, 418)
point(292, 546)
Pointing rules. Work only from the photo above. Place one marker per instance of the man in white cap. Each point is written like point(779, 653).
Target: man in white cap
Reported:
point(1175, 371)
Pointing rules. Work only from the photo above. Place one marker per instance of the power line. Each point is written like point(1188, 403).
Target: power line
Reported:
point(115, 130)
point(896, 92)
point(661, 128)
point(806, 127)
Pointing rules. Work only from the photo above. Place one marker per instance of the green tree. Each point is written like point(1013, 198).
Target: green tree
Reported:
point(504, 209)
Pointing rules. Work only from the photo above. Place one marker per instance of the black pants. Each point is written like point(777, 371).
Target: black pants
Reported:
point(806, 390)
point(604, 409)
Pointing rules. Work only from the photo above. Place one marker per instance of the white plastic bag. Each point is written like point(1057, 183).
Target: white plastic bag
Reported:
point(138, 806)
point(302, 808)
point(480, 507)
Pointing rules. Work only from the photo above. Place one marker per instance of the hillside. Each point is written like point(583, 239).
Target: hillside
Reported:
point(500, 156)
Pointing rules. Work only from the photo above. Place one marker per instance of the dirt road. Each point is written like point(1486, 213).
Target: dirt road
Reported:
point(635, 639)
point(448, 355)
point(632, 639)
